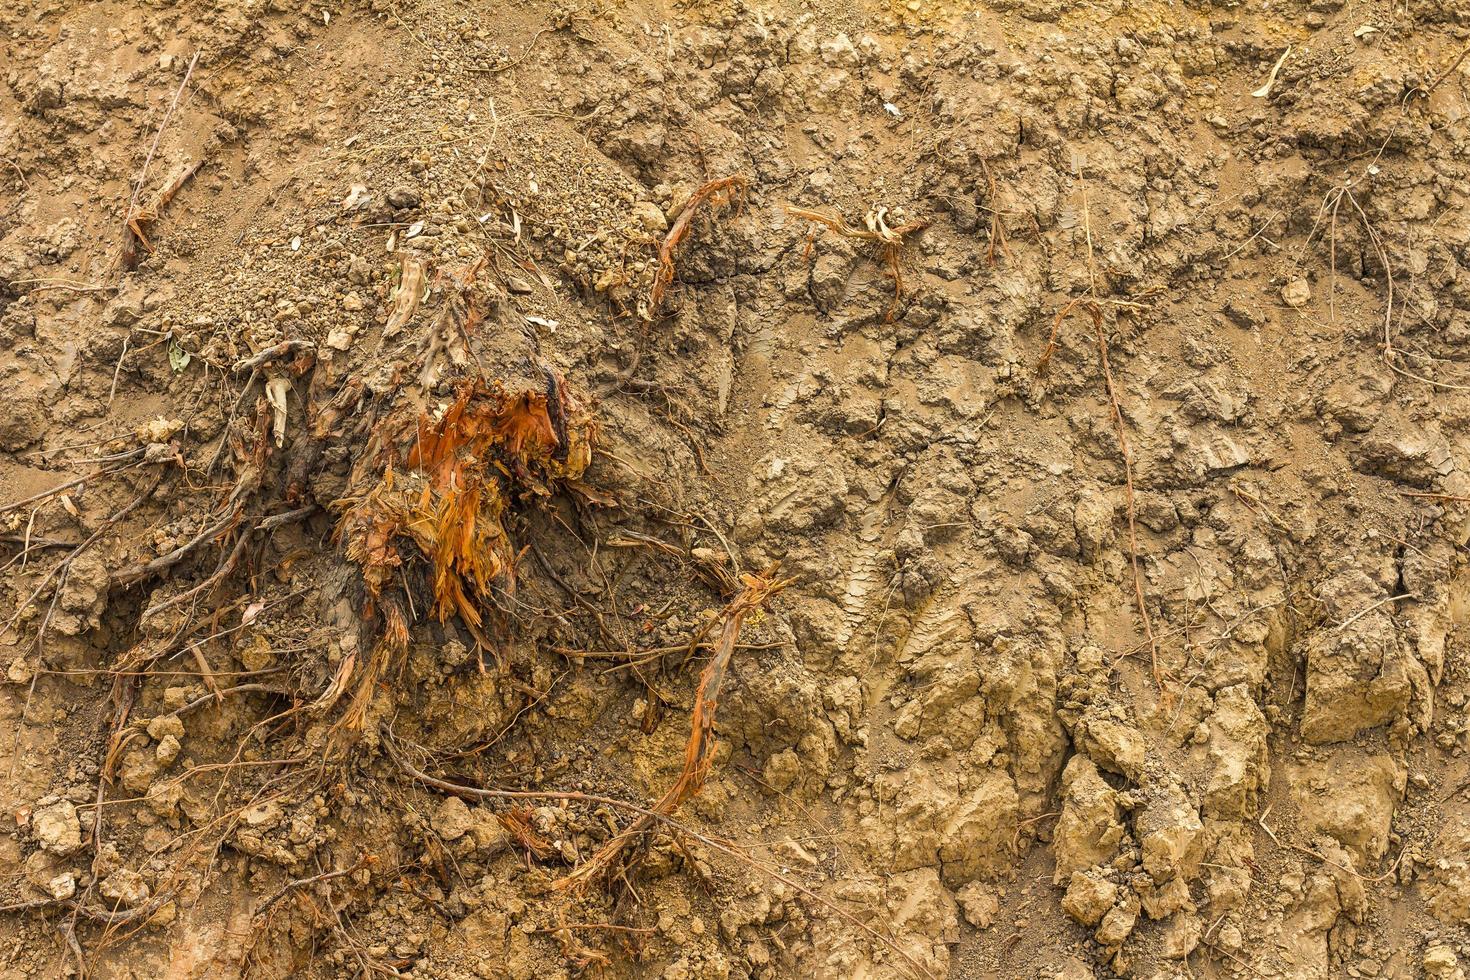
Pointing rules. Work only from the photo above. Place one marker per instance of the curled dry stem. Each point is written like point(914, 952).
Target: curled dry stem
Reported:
point(890, 240)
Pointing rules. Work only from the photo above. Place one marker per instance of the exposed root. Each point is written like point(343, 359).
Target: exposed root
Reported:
point(517, 823)
point(444, 512)
point(366, 861)
point(34, 498)
point(135, 228)
point(699, 751)
point(63, 567)
point(271, 353)
point(653, 816)
point(997, 226)
point(712, 192)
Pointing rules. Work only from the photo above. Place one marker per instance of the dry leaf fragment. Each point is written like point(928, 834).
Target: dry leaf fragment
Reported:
point(357, 198)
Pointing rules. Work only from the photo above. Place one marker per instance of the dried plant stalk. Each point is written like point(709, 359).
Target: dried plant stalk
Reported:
point(135, 228)
point(1095, 311)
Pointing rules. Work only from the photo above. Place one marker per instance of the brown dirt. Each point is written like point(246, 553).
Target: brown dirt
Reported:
point(1138, 650)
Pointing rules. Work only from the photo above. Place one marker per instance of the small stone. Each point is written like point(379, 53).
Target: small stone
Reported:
point(352, 303)
point(1181, 936)
point(402, 197)
point(490, 836)
point(159, 429)
point(979, 904)
point(162, 726)
point(138, 769)
point(453, 819)
point(1440, 961)
point(650, 217)
point(263, 816)
point(125, 887)
point(167, 750)
point(359, 271)
point(1118, 924)
point(1089, 898)
point(39, 868)
point(164, 797)
point(63, 886)
point(783, 770)
point(1296, 294)
point(57, 828)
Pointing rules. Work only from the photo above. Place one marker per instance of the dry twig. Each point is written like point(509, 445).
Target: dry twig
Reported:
point(136, 219)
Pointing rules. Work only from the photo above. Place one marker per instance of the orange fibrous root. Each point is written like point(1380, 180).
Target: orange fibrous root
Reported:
point(438, 490)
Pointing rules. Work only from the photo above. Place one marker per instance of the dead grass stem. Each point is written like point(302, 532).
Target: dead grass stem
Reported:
point(1095, 312)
